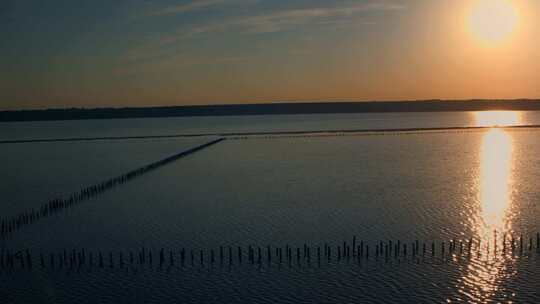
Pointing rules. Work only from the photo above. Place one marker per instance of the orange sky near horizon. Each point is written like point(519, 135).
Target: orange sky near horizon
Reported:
point(219, 52)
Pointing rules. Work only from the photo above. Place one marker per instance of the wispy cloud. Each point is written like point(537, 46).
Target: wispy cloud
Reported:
point(194, 6)
point(281, 20)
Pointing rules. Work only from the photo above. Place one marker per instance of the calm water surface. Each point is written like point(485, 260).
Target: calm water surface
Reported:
point(426, 186)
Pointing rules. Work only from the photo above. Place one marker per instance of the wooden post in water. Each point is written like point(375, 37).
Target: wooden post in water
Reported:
point(239, 255)
point(221, 254)
point(404, 250)
point(354, 246)
point(443, 245)
point(201, 255)
point(521, 245)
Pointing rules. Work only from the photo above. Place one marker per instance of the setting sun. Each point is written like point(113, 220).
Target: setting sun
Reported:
point(492, 21)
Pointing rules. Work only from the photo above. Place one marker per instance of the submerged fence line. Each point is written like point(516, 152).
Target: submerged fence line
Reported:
point(273, 134)
point(14, 223)
point(305, 255)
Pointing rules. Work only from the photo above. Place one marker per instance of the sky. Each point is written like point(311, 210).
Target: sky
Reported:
point(102, 53)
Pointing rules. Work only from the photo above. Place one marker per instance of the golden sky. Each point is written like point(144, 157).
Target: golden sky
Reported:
point(166, 52)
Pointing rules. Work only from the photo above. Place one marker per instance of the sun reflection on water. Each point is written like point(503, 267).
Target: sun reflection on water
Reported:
point(492, 221)
point(497, 118)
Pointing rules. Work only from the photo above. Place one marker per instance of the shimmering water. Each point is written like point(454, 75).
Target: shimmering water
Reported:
point(426, 186)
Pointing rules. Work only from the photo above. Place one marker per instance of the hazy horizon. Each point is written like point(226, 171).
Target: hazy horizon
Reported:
point(93, 54)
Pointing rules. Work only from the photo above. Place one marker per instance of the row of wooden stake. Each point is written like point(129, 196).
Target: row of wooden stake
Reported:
point(14, 223)
point(76, 258)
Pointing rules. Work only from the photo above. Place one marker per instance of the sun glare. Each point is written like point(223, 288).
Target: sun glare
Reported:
point(497, 118)
point(492, 21)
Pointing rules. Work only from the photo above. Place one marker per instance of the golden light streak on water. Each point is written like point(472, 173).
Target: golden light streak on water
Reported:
point(497, 118)
point(489, 267)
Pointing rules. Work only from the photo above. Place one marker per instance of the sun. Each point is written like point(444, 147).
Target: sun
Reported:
point(492, 21)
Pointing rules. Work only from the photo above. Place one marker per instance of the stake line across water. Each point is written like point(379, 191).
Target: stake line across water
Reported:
point(247, 135)
point(296, 256)
point(15, 223)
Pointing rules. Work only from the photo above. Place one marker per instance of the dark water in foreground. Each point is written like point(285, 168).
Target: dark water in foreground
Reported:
point(430, 186)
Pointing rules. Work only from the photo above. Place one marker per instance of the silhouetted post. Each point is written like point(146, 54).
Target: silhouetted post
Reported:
point(171, 258)
point(521, 245)
point(443, 245)
point(239, 254)
point(495, 242)
point(212, 260)
point(201, 255)
point(221, 254)
point(354, 245)
point(329, 253)
point(404, 250)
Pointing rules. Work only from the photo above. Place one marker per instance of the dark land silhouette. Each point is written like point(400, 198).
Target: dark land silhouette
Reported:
point(270, 109)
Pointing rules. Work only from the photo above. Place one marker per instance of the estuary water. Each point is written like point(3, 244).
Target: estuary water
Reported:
point(281, 191)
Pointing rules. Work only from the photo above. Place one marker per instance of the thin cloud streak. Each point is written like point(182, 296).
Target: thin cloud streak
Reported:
point(195, 6)
point(285, 19)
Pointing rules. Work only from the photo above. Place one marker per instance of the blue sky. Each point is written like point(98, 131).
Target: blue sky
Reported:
point(156, 52)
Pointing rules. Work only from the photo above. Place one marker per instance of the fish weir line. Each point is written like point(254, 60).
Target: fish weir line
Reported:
point(303, 256)
point(15, 223)
point(285, 134)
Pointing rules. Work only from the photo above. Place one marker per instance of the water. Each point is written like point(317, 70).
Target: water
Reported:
point(239, 124)
point(426, 186)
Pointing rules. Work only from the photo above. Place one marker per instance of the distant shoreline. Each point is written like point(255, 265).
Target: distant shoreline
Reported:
point(271, 109)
